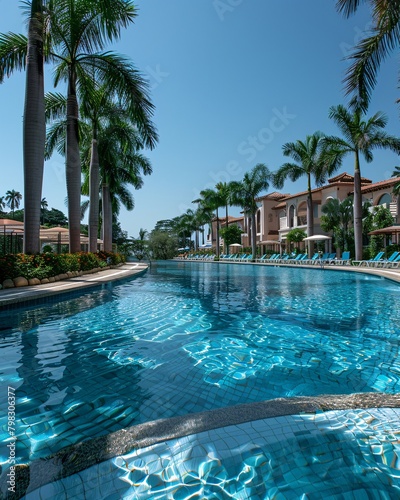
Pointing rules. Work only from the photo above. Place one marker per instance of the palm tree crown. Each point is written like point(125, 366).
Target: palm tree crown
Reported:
point(246, 192)
point(361, 136)
point(370, 52)
point(312, 159)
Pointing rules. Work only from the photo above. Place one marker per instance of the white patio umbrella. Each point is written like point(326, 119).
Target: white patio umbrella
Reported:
point(316, 237)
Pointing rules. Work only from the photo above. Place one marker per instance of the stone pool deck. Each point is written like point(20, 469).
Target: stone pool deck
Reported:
point(18, 295)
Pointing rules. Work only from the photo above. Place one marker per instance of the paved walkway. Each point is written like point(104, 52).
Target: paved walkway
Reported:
point(12, 296)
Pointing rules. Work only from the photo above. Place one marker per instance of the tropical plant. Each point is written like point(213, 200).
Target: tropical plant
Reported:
point(378, 217)
point(209, 201)
point(110, 138)
point(338, 218)
point(13, 199)
point(19, 52)
point(43, 208)
point(70, 33)
point(396, 187)
point(361, 136)
point(225, 191)
point(312, 160)
point(371, 51)
point(3, 203)
point(162, 245)
point(231, 234)
point(244, 194)
point(295, 235)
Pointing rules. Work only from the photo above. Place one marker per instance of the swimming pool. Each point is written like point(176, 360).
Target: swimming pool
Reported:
point(189, 337)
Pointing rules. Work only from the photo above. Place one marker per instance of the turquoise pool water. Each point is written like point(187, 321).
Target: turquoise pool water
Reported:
point(188, 337)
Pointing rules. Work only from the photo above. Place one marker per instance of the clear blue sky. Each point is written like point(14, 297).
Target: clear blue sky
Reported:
point(232, 81)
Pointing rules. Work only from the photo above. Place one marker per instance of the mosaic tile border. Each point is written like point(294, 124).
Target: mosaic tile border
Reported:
point(78, 457)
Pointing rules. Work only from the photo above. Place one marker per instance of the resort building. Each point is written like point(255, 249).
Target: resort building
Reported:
point(280, 213)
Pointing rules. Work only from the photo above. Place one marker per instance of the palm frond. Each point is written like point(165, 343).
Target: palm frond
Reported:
point(13, 51)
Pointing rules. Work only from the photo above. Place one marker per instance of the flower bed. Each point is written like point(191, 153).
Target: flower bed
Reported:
point(47, 265)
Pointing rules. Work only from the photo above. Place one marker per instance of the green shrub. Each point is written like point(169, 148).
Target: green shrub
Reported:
point(50, 264)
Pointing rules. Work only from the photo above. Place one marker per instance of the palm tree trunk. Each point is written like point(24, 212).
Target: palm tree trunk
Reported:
point(217, 236)
point(226, 225)
point(253, 235)
point(94, 197)
point(358, 237)
point(34, 131)
point(73, 169)
point(310, 217)
point(107, 218)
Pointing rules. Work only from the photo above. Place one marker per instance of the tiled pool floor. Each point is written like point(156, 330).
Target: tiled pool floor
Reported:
point(339, 454)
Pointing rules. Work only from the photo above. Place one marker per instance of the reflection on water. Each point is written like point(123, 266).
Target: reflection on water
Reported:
point(189, 337)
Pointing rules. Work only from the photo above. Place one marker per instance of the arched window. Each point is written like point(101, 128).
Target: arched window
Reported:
point(302, 214)
point(385, 198)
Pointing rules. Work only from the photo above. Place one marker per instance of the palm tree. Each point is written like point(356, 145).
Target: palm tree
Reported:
point(104, 119)
point(73, 32)
point(338, 217)
point(90, 25)
point(120, 165)
point(246, 192)
point(18, 52)
point(312, 161)
point(396, 187)
point(224, 190)
point(361, 136)
point(3, 204)
point(209, 201)
point(371, 51)
point(13, 199)
point(43, 207)
point(99, 107)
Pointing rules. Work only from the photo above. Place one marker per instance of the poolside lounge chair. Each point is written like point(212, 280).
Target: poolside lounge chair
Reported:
point(344, 260)
point(294, 260)
point(395, 263)
point(385, 262)
point(369, 263)
point(312, 260)
point(263, 257)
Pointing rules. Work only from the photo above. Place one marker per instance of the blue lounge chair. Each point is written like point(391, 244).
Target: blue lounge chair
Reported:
point(385, 262)
point(395, 263)
point(312, 260)
point(369, 262)
point(344, 260)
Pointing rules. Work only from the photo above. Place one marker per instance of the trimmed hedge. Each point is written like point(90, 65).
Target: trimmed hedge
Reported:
point(46, 265)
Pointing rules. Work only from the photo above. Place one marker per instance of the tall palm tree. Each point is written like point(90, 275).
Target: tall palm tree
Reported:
point(74, 33)
point(121, 164)
point(246, 192)
point(371, 51)
point(43, 207)
point(3, 204)
point(13, 199)
point(79, 29)
point(209, 201)
point(225, 191)
point(338, 217)
point(99, 108)
point(104, 119)
point(361, 136)
point(18, 52)
point(313, 160)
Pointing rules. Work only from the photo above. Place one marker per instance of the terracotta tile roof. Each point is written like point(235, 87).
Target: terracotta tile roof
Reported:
point(379, 185)
point(272, 196)
point(280, 205)
point(345, 177)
